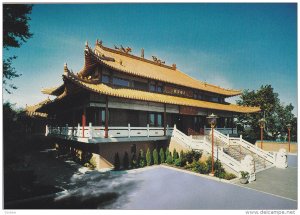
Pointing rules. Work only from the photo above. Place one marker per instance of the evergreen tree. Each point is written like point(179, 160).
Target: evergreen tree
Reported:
point(148, 157)
point(276, 114)
point(162, 155)
point(155, 157)
point(15, 32)
point(117, 161)
point(175, 154)
point(141, 159)
point(133, 162)
point(125, 161)
point(167, 153)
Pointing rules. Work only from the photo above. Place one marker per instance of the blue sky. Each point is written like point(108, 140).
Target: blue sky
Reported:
point(239, 46)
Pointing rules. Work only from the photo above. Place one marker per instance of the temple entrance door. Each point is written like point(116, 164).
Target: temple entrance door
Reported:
point(179, 123)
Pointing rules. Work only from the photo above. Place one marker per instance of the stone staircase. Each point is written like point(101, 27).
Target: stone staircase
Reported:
point(238, 153)
point(231, 150)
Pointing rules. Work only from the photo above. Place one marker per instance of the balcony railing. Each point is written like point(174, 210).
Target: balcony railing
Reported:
point(92, 132)
point(224, 131)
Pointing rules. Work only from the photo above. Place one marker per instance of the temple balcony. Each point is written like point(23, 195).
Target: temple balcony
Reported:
point(225, 131)
point(98, 134)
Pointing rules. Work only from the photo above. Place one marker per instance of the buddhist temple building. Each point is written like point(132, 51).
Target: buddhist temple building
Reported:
point(121, 97)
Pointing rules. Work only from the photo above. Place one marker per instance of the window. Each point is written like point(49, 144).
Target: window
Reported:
point(199, 96)
point(159, 120)
point(214, 99)
point(159, 89)
point(195, 96)
point(140, 85)
point(151, 119)
point(120, 82)
point(152, 87)
point(102, 117)
point(105, 79)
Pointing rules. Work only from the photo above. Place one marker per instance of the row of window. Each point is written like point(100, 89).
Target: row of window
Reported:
point(155, 87)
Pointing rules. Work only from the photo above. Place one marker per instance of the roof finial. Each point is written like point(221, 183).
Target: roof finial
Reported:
point(86, 44)
point(142, 53)
point(66, 70)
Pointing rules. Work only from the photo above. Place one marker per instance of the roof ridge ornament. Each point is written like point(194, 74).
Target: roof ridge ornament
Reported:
point(157, 60)
point(122, 49)
point(66, 70)
point(99, 42)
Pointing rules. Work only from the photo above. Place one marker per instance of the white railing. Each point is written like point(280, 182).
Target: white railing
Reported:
point(113, 131)
point(222, 130)
point(240, 141)
point(205, 145)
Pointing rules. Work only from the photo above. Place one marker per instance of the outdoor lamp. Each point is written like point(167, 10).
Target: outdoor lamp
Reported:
point(212, 120)
point(262, 123)
point(289, 126)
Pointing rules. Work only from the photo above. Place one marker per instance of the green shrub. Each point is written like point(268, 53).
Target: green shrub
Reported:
point(125, 161)
point(219, 170)
point(155, 157)
point(229, 176)
point(148, 157)
point(178, 162)
point(162, 156)
point(197, 155)
point(183, 158)
point(141, 159)
point(169, 159)
point(133, 162)
point(203, 168)
point(189, 156)
point(167, 154)
point(117, 161)
point(175, 155)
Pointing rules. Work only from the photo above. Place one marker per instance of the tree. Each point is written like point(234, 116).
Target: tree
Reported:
point(276, 114)
point(148, 157)
point(175, 154)
point(155, 157)
point(117, 161)
point(125, 161)
point(162, 155)
point(141, 159)
point(15, 32)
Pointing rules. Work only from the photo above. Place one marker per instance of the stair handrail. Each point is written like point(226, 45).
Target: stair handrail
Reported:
point(206, 146)
point(262, 153)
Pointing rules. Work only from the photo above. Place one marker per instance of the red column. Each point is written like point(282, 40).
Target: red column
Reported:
point(165, 119)
point(83, 123)
point(212, 150)
point(261, 137)
point(289, 140)
point(106, 117)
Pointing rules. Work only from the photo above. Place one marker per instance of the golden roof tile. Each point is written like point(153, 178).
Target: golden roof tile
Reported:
point(138, 66)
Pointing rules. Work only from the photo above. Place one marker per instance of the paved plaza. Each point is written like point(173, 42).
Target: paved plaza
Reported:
point(159, 187)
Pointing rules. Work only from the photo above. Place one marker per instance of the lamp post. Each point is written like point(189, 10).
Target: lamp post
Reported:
point(212, 120)
point(262, 123)
point(289, 126)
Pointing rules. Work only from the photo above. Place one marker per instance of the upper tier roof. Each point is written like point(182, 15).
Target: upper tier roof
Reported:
point(138, 66)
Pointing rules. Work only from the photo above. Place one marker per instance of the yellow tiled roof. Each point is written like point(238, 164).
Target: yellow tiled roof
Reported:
point(149, 69)
point(32, 110)
point(160, 98)
point(52, 90)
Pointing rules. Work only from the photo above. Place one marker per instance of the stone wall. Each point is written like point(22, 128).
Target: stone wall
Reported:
point(102, 155)
point(274, 146)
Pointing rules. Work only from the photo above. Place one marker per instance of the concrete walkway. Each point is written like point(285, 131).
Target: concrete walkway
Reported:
point(280, 182)
point(163, 188)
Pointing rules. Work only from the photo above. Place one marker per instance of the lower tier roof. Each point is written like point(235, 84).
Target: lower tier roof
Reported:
point(157, 97)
